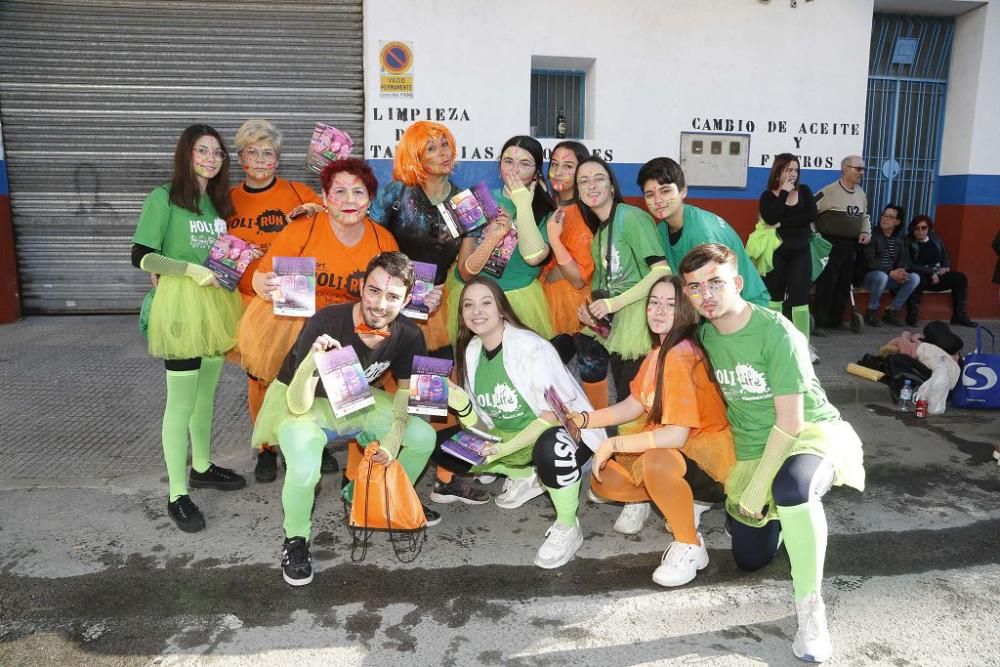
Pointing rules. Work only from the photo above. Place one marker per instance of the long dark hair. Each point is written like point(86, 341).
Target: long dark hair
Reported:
point(184, 189)
point(465, 335)
point(781, 160)
point(616, 196)
point(541, 203)
point(684, 328)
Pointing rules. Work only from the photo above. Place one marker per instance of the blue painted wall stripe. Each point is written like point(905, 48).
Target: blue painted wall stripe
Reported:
point(969, 189)
point(4, 185)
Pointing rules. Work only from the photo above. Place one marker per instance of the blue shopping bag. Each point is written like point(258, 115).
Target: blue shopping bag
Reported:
point(978, 387)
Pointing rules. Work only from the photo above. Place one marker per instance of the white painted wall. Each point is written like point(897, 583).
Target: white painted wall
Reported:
point(971, 143)
point(660, 64)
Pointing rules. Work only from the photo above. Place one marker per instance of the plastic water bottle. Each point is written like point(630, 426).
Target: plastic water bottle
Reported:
point(906, 397)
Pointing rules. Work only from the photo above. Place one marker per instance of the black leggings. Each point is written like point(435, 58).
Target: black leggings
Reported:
point(797, 482)
point(556, 457)
point(182, 364)
point(792, 274)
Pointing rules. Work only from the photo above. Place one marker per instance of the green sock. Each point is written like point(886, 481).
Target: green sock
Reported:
point(200, 423)
point(800, 318)
point(302, 446)
point(182, 390)
point(776, 306)
point(805, 533)
point(566, 500)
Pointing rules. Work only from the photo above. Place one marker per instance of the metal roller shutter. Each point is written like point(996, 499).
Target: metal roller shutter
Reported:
point(94, 93)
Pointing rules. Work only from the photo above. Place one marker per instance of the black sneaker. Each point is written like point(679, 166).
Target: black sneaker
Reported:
point(266, 469)
point(891, 317)
point(459, 489)
point(328, 465)
point(432, 517)
point(871, 318)
point(296, 563)
point(186, 514)
point(215, 477)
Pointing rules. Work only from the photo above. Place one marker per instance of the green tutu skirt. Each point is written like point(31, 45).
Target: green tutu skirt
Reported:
point(528, 303)
point(375, 419)
point(187, 321)
point(629, 337)
point(835, 441)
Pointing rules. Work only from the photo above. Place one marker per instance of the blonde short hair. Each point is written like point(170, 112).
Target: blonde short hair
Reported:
point(256, 130)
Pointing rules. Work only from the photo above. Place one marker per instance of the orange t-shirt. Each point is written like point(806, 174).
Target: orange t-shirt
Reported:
point(259, 215)
point(340, 269)
point(577, 238)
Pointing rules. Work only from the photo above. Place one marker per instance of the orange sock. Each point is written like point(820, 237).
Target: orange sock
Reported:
point(255, 397)
point(597, 393)
point(663, 476)
point(444, 476)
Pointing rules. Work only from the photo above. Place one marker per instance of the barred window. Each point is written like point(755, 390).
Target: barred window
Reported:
point(558, 93)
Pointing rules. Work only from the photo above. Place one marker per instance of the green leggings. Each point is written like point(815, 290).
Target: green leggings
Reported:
point(189, 409)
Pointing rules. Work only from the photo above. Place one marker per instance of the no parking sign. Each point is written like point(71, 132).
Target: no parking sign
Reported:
point(396, 63)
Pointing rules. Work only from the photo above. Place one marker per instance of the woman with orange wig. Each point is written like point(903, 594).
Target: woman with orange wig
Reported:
point(425, 160)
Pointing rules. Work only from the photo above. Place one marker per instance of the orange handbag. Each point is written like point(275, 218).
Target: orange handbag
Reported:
point(384, 500)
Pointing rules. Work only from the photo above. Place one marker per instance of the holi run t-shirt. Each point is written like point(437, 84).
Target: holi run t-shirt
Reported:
point(259, 215)
point(690, 398)
point(496, 395)
point(340, 269)
point(394, 353)
point(176, 232)
point(634, 248)
point(766, 358)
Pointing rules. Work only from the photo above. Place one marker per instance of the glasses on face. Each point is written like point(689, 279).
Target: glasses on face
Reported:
point(257, 155)
point(522, 165)
point(890, 216)
point(714, 286)
point(207, 153)
point(857, 169)
point(921, 228)
point(599, 181)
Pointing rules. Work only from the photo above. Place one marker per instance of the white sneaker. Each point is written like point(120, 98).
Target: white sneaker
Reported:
point(486, 479)
point(516, 492)
point(699, 509)
point(633, 516)
point(594, 498)
point(561, 543)
point(680, 563)
point(813, 354)
point(812, 641)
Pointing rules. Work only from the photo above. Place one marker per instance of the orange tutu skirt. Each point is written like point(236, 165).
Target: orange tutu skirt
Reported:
point(264, 339)
point(564, 301)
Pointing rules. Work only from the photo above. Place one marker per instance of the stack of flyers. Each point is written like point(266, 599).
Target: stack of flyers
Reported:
point(229, 258)
point(469, 446)
point(469, 210)
point(498, 259)
point(429, 386)
point(297, 295)
point(327, 144)
point(344, 380)
point(561, 411)
point(423, 282)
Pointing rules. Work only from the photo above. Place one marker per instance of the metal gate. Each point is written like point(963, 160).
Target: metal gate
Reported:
point(907, 85)
point(94, 93)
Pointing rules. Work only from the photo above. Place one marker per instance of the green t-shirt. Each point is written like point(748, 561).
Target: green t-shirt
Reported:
point(498, 398)
point(176, 232)
point(701, 226)
point(766, 358)
point(634, 248)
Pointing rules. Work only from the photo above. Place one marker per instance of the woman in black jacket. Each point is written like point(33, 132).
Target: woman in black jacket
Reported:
point(929, 258)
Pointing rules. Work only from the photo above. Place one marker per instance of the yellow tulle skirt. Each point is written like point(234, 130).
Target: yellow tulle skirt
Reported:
point(528, 303)
point(187, 321)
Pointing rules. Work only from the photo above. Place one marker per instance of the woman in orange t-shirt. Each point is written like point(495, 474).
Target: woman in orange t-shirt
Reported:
point(343, 240)
point(687, 434)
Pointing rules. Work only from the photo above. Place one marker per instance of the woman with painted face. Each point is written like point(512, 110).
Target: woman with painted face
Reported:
point(929, 259)
point(263, 204)
point(628, 260)
point(512, 248)
point(506, 368)
point(192, 321)
point(407, 206)
point(789, 206)
point(686, 442)
point(342, 240)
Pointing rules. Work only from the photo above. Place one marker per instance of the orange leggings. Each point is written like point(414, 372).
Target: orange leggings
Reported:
point(662, 482)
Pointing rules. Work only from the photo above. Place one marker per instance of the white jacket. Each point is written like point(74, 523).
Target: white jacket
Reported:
point(533, 365)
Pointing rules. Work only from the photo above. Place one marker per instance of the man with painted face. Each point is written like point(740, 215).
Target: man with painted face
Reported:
point(791, 444)
point(683, 226)
point(297, 413)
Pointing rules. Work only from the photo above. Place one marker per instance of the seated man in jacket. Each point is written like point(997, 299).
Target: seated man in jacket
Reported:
point(887, 258)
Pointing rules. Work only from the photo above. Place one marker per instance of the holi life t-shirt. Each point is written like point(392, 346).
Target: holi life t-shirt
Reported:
point(259, 215)
point(394, 353)
point(176, 232)
point(768, 357)
point(496, 395)
point(340, 269)
point(690, 398)
point(635, 247)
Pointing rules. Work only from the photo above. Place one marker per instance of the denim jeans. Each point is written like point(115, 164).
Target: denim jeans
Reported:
point(877, 282)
